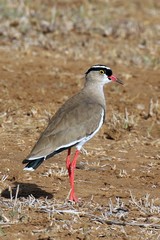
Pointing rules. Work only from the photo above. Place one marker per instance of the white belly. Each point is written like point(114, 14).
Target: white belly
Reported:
point(85, 139)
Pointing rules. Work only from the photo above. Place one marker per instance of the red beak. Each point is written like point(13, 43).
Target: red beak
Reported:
point(115, 79)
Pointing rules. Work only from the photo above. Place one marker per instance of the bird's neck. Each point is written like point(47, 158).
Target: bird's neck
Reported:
point(96, 92)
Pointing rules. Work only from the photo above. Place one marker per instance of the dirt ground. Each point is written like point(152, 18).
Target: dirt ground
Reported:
point(45, 50)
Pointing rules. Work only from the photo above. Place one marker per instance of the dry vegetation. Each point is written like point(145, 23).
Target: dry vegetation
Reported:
point(45, 48)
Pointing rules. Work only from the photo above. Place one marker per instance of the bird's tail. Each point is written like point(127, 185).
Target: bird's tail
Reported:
point(32, 164)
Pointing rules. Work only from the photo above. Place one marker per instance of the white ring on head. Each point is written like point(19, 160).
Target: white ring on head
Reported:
point(100, 66)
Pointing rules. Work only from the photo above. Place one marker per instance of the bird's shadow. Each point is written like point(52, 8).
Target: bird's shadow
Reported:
point(24, 190)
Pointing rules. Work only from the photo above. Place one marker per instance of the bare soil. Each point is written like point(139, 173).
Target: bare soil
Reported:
point(117, 180)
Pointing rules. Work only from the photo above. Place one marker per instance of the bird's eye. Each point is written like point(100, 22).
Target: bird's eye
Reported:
point(101, 71)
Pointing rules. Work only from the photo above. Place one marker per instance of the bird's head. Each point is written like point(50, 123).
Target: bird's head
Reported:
point(101, 74)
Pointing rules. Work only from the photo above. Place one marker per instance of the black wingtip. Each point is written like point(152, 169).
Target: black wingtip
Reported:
point(32, 164)
point(25, 161)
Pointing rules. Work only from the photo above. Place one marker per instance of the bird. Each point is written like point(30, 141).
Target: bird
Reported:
point(74, 124)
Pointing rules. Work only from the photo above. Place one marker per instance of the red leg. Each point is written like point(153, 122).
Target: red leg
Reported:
point(71, 167)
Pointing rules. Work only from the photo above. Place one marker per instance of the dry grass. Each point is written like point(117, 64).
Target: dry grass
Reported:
point(25, 24)
point(141, 213)
point(125, 35)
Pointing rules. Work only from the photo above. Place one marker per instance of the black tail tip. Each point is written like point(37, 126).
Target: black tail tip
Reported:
point(25, 161)
point(32, 164)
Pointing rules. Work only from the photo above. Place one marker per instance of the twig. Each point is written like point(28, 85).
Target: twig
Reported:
point(108, 222)
point(126, 114)
point(6, 224)
point(16, 196)
point(6, 220)
point(123, 223)
point(150, 110)
point(69, 211)
point(10, 192)
point(136, 204)
point(4, 178)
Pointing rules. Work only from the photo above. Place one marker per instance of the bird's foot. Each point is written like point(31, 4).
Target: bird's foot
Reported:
point(73, 197)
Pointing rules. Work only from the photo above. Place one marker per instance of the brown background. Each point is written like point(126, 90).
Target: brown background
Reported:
point(45, 49)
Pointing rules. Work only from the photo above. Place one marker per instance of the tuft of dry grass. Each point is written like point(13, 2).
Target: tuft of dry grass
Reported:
point(120, 122)
point(140, 213)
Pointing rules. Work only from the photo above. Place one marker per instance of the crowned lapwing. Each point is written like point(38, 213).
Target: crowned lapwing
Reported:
point(75, 123)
